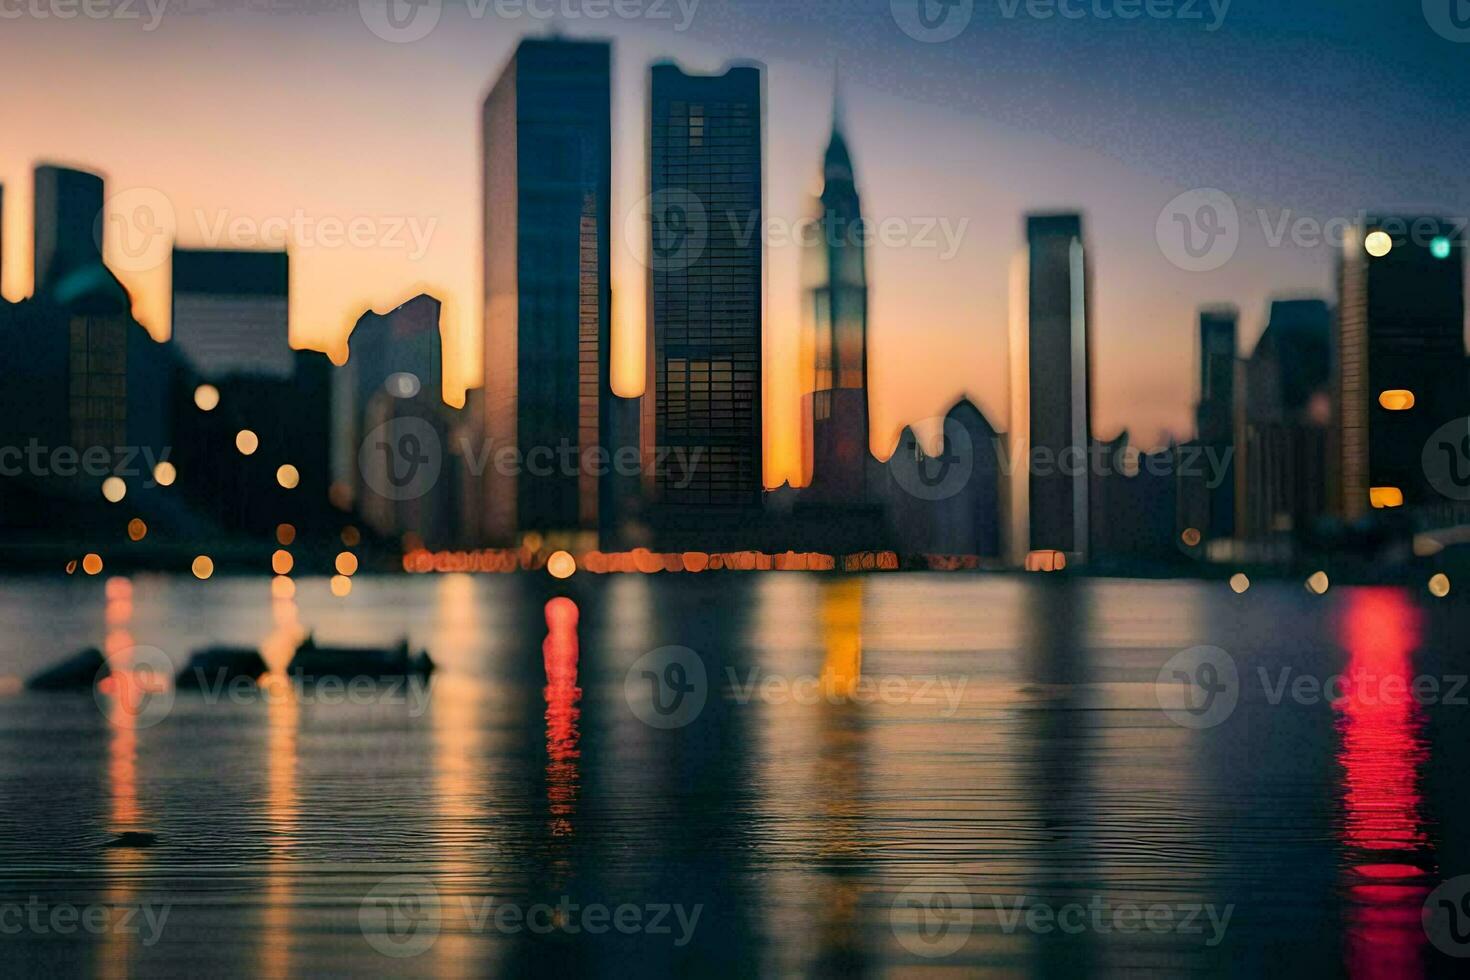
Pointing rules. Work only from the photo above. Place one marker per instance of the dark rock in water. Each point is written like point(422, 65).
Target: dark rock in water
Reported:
point(216, 666)
point(313, 662)
point(76, 673)
point(134, 838)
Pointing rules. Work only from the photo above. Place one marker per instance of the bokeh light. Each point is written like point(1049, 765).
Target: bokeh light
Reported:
point(92, 563)
point(1378, 244)
point(137, 530)
point(285, 533)
point(114, 489)
point(165, 473)
point(203, 567)
point(561, 565)
point(206, 398)
point(247, 442)
point(288, 477)
point(341, 585)
point(1239, 582)
point(282, 588)
point(1439, 585)
point(1318, 583)
point(282, 562)
point(346, 563)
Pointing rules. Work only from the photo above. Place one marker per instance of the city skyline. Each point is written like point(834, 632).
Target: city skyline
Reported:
point(960, 302)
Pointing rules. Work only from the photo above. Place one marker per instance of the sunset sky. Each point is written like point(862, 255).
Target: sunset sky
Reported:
point(309, 120)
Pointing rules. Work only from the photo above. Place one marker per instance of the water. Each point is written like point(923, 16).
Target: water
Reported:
point(963, 774)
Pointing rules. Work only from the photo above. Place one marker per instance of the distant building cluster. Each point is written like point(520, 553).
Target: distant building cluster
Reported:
point(1322, 438)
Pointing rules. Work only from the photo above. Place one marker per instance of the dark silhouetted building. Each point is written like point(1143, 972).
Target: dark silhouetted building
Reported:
point(1206, 497)
point(1051, 391)
point(835, 450)
point(230, 312)
point(1398, 360)
point(703, 429)
point(1284, 413)
point(546, 132)
point(68, 213)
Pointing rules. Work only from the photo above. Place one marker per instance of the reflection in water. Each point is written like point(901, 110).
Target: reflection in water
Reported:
point(839, 780)
point(1382, 748)
point(282, 809)
point(559, 653)
point(122, 775)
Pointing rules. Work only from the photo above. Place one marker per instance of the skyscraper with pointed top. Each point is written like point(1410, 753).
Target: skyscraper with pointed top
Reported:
point(835, 343)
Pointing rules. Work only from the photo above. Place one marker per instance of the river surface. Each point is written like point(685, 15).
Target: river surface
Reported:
point(725, 774)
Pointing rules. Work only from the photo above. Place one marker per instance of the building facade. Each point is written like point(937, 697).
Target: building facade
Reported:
point(702, 437)
point(1051, 391)
point(547, 137)
point(230, 312)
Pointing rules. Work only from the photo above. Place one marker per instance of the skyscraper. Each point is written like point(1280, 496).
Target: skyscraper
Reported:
point(703, 427)
point(230, 312)
point(547, 137)
point(1397, 360)
point(1284, 413)
point(1205, 506)
point(68, 211)
point(1051, 390)
point(835, 408)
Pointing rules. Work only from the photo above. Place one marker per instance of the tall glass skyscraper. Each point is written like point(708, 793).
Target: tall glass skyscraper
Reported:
point(547, 138)
point(835, 405)
point(702, 430)
point(1051, 390)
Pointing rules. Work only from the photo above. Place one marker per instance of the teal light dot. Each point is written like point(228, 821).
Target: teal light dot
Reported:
point(1440, 247)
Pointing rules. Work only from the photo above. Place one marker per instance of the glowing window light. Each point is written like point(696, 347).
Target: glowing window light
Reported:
point(1239, 582)
point(288, 476)
point(137, 530)
point(561, 565)
point(1396, 399)
point(1378, 244)
point(1381, 497)
point(203, 567)
point(206, 398)
point(285, 534)
point(346, 564)
point(247, 442)
point(1439, 585)
point(165, 473)
point(282, 562)
point(341, 586)
point(1440, 247)
point(1045, 561)
point(92, 563)
point(114, 489)
point(1318, 583)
